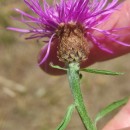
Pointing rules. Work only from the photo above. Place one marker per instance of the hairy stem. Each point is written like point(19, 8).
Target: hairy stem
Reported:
point(74, 81)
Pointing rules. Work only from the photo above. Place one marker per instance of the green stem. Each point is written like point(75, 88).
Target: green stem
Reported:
point(74, 80)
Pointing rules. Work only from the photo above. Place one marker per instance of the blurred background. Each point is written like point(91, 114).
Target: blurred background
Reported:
point(31, 99)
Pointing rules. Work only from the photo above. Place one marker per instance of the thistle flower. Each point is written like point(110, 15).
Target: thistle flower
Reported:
point(72, 27)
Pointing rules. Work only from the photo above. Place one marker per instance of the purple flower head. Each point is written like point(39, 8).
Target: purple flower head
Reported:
point(90, 14)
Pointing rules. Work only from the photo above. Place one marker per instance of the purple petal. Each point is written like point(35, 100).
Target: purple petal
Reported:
point(18, 30)
point(48, 50)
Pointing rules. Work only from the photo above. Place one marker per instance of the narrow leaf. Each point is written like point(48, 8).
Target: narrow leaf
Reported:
point(67, 118)
point(104, 72)
point(57, 67)
point(110, 108)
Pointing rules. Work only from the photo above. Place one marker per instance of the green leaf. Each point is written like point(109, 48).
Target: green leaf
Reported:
point(105, 72)
point(110, 108)
point(67, 118)
point(57, 67)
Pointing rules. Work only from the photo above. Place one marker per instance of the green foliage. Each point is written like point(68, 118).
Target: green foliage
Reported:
point(67, 118)
point(57, 67)
point(104, 72)
point(110, 108)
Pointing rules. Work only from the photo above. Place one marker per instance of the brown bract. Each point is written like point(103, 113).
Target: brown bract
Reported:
point(73, 46)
